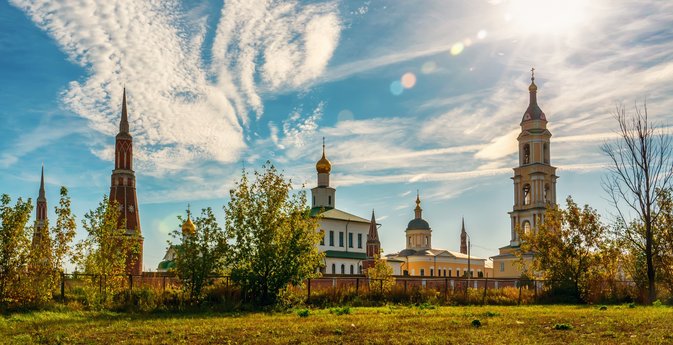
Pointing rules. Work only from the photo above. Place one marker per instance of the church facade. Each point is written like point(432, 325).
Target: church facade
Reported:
point(345, 236)
point(419, 258)
point(534, 187)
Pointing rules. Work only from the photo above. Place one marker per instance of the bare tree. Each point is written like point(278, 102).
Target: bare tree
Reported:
point(641, 168)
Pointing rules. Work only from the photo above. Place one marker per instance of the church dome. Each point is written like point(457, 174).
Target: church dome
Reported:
point(188, 227)
point(418, 224)
point(323, 166)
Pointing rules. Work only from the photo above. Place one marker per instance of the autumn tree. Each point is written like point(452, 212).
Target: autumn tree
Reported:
point(380, 276)
point(200, 252)
point(664, 240)
point(566, 246)
point(103, 253)
point(641, 168)
point(275, 239)
point(14, 249)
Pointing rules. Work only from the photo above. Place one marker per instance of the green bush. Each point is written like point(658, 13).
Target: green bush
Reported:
point(303, 312)
point(476, 323)
point(340, 311)
point(563, 326)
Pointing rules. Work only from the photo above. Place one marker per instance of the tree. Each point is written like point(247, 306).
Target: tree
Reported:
point(200, 254)
point(641, 168)
point(63, 232)
point(275, 240)
point(103, 253)
point(14, 249)
point(381, 276)
point(566, 246)
point(664, 239)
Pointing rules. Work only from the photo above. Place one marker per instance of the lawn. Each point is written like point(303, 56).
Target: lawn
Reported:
point(382, 325)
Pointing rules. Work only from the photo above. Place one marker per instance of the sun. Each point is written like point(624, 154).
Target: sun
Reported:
point(546, 16)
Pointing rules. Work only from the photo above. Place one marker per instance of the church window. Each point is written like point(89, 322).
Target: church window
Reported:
point(427, 240)
point(432, 272)
point(449, 273)
point(331, 238)
point(352, 270)
point(546, 193)
point(502, 267)
point(322, 239)
point(341, 238)
point(526, 154)
point(406, 273)
point(360, 269)
point(526, 194)
point(359, 240)
point(350, 240)
point(545, 152)
point(422, 272)
point(329, 200)
point(457, 272)
point(333, 269)
point(480, 274)
point(343, 269)
point(526, 227)
point(445, 272)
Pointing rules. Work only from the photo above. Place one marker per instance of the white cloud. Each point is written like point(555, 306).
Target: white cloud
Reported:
point(184, 108)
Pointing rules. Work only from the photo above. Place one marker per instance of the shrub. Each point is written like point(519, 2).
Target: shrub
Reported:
point(563, 326)
point(340, 311)
point(476, 323)
point(302, 312)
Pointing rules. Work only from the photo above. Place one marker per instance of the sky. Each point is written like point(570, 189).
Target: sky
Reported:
point(410, 96)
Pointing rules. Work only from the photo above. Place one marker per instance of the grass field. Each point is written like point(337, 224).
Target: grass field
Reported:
point(382, 325)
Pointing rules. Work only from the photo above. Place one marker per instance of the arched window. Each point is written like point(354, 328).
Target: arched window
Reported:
point(526, 227)
point(545, 151)
point(329, 200)
point(343, 269)
point(445, 272)
point(422, 272)
point(427, 240)
point(526, 194)
point(352, 271)
point(333, 269)
point(360, 269)
point(526, 154)
point(432, 272)
point(546, 193)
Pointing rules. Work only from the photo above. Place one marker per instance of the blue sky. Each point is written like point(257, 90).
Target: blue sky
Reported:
point(410, 95)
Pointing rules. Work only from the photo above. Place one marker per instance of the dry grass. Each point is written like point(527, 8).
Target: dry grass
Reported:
point(381, 325)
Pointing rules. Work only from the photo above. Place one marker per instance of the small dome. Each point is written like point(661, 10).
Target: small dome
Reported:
point(532, 87)
point(323, 166)
point(188, 227)
point(418, 224)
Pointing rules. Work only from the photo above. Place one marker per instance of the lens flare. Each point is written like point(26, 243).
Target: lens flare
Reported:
point(482, 34)
point(428, 67)
point(457, 48)
point(408, 80)
point(396, 88)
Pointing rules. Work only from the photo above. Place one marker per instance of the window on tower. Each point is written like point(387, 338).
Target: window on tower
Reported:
point(545, 151)
point(331, 238)
point(546, 193)
point(329, 200)
point(341, 238)
point(333, 269)
point(526, 194)
point(526, 153)
point(359, 240)
point(343, 269)
point(526, 227)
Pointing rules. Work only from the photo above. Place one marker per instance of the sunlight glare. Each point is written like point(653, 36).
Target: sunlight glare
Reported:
point(548, 16)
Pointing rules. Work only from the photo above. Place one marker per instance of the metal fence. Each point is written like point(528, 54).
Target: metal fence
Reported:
point(352, 284)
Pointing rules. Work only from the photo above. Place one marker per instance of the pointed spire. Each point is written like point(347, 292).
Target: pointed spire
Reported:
point(323, 166)
point(42, 195)
point(373, 230)
point(463, 238)
point(418, 209)
point(124, 123)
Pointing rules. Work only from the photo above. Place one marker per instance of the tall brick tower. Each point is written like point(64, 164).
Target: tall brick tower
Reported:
point(41, 232)
point(123, 191)
point(463, 239)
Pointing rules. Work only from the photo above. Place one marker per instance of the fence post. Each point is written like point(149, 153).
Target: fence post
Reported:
point(62, 287)
point(357, 285)
point(308, 284)
point(483, 298)
point(446, 288)
point(520, 287)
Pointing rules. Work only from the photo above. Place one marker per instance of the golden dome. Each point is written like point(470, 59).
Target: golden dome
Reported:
point(323, 166)
point(532, 87)
point(188, 227)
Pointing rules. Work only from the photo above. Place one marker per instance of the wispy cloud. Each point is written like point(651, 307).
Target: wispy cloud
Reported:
point(185, 108)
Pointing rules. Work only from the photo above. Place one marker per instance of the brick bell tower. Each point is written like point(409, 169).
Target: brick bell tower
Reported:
point(123, 191)
point(373, 244)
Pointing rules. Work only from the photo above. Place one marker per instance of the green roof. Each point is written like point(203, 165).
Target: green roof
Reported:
point(345, 255)
point(165, 265)
point(337, 214)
